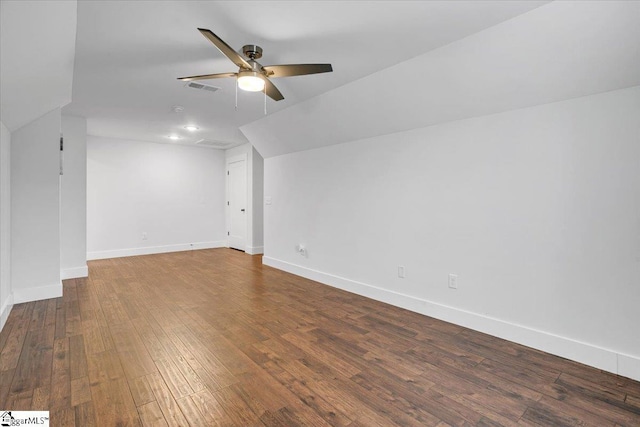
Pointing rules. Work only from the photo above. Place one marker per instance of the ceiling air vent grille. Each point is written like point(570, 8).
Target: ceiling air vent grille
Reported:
point(202, 86)
point(214, 143)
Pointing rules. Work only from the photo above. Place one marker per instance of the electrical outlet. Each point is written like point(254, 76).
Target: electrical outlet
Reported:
point(268, 200)
point(453, 281)
point(144, 236)
point(401, 271)
point(301, 250)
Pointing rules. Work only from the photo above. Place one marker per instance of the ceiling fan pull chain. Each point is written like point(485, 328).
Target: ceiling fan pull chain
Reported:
point(236, 92)
point(265, 100)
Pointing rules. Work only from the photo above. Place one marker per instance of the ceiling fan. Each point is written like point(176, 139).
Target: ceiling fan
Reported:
point(252, 76)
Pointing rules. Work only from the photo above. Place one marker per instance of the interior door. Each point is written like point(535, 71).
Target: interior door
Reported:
point(237, 204)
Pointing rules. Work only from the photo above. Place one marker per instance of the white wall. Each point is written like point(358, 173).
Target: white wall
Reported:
point(255, 194)
point(37, 53)
point(175, 194)
point(6, 297)
point(536, 210)
point(35, 209)
point(73, 199)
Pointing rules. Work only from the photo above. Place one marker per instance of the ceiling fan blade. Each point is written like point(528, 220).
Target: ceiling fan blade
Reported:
point(272, 91)
point(225, 49)
point(207, 76)
point(296, 69)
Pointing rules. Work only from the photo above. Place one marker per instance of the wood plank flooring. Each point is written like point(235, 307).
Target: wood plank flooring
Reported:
point(213, 338)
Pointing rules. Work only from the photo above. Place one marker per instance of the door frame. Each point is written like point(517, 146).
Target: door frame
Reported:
point(228, 161)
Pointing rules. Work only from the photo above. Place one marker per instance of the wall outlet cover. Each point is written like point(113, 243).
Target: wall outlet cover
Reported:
point(453, 281)
point(401, 271)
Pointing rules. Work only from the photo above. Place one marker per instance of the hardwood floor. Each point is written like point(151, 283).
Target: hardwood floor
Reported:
point(212, 337)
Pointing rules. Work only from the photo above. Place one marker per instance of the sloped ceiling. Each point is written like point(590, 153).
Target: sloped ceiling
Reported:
point(129, 54)
point(559, 51)
point(37, 50)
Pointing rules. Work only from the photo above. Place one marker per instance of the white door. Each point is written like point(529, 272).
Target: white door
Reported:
point(237, 204)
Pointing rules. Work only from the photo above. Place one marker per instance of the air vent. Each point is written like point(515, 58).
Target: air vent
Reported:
point(202, 86)
point(214, 143)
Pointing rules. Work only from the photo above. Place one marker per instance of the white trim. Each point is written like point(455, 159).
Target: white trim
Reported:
point(589, 354)
point(37, 293)
point(254, 250)
point(237, 158)
point(5, 311)
point(629, 366)
point(74, 273)
point(149, 250)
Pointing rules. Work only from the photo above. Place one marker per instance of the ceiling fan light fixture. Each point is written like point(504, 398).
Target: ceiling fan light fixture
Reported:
point(250, 81)
point(252, 76)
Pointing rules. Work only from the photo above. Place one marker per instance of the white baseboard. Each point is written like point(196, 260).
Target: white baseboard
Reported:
point(149, 250)
point(255, 250)
point(589, 354)
point(5, 310)
point(629, 366)
point(74, 273)
point(37, 293)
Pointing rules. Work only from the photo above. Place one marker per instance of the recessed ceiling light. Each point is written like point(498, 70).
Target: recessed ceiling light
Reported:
point(191, 128)
point(174, 137)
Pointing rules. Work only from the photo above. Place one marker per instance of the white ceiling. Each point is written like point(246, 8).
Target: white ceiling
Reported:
point(129, 54)
point(37, 48)
point(559, 51)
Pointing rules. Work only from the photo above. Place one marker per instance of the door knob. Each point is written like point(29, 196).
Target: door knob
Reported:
point(241, 210)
